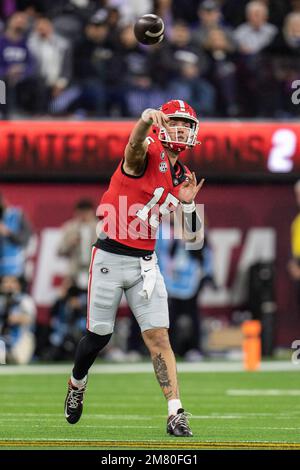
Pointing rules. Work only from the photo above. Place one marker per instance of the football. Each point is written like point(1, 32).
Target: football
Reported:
point(149, 29)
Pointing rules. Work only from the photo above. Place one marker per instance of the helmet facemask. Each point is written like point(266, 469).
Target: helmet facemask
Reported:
point(185, 137)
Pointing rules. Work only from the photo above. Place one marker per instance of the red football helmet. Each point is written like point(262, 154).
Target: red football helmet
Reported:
point(178, 109)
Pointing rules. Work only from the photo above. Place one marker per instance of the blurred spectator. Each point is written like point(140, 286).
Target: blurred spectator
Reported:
point(129, 80)
point(247, 68)
point(17, 319)
point(163, 9)
point(81, 8)
point(131, 9)
point(78, 235)
point(287, 42)
point(192, 87)
point(142, 94)
point(34, 5)
point(256, 33)
point(181, 41)
point(222, 72)
point(234, 11)
point(167, 57)
point(185, 272)
point(68, 324)
point(17, 66)
point(70, 16)
point(7, 8)
point(15, 233)
point(282, 58)
point(294, 263)
point(185, 10)
point(53, 57)
point(257, 93)
point(68, 321)
point(295, 4)
point(113, 20)
point(92, 58)
point(210, 17)
point(277, 10)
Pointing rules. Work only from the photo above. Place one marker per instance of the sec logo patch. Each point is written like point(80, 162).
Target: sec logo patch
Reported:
point(163, 167)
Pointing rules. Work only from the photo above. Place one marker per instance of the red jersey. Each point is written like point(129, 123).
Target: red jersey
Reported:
point(132, 207)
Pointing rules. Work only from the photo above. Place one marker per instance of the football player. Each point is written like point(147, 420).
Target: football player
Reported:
point(149, 182)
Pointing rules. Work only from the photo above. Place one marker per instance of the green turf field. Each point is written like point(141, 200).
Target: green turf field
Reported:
point(233, 410)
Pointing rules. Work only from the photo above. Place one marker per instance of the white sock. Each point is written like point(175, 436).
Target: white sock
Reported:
point(173, 406)
point(78, 383)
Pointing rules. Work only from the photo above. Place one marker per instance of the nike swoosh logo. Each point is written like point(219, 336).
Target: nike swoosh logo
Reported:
point(147, 270)
point(66, 414)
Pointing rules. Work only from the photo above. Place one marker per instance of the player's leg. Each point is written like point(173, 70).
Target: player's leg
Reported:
point(87, 351)
point(164, 364)
point(104, 295)
point(88, 348)
point(153, 318)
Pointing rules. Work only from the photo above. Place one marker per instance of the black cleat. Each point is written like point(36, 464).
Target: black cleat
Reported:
point(74, 403)
point(178, 425)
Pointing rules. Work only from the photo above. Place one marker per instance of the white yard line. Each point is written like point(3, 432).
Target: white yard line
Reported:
point(103, 426)
point(45, 439)
point(31, 417)
point(263, 393)
point(89, 416)
point(146, 367)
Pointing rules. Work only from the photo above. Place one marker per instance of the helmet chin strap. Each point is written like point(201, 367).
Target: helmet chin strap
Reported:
point(174, 148)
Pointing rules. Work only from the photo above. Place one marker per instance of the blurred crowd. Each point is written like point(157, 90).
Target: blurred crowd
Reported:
point(17, 308)
point(27, 338)
point(80, 58)
point(32, 332)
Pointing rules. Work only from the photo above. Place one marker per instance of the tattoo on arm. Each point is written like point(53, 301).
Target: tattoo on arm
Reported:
point(161, 371)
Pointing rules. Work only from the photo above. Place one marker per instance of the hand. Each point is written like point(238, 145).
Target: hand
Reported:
point(73, 240)
point(14, 319)
point(157, 118)
point(74, 302)
point(59, 86)
point(56, 91)
point(208, 280)
point(294, 270)
point(4, 231)
point(15, 73)
point(189, 189)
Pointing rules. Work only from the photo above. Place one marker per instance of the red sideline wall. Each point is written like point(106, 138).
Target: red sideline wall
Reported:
point(245, 223)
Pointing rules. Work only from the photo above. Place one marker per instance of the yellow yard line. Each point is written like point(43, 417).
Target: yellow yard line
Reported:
point(149, 444)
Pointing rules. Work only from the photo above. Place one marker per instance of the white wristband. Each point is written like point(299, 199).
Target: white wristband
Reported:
point(145, 117)
point(188, 208)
